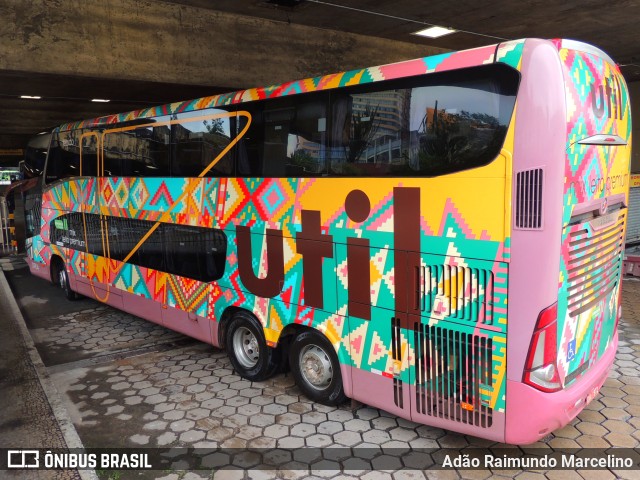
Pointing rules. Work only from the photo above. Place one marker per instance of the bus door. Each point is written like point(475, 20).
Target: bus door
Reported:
point(96, 262)
point(90, 223)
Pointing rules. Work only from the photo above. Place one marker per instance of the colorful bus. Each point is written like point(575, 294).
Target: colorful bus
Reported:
point(441, 238)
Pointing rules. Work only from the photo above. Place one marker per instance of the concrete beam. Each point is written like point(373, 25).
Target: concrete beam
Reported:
point(164, 42)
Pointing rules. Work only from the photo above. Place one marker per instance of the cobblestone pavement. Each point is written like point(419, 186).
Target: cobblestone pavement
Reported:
point(96, 331)
point(188, 396)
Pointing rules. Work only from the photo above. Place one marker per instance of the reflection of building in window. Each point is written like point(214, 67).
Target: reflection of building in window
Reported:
point(389, 108)
point(388, 114)
point(198, 144)
point(69, 142)
point(370, 128)
point(306, 154)
point(435, 118)
point(452, 136)
point(126, 146)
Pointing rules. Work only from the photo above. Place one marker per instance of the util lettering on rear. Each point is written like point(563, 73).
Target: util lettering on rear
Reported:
point(606, 98)
point(314, 245)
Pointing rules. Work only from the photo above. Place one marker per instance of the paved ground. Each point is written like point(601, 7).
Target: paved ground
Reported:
point(26, 415)
point(130, 383)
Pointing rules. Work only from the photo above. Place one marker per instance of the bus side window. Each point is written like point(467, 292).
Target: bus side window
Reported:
point(194, 252)
point(459, 126)
point(198, 140)
point(249, 157)
point(180, 256)
point(145, 152)
point(369, 132)
point(187, 153)
point(88, 156)
point(32, 211)
point(127, 153)
point(64, 156)
point(35, 154)
point(113, 149)
point(123, 236)
point(215, 254)
point(422, 126)
point(93, 231)
point(306, 142)
point(294, 136)
point(151, 253)
point(157, 164)
point(277, 124)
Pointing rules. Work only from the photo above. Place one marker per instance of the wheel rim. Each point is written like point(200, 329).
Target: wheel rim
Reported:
point(315, 367)
point(62, 276)
point(246, 347)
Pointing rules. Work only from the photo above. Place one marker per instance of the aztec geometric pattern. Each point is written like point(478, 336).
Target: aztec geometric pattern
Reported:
point(597, 102)
point(463, 279)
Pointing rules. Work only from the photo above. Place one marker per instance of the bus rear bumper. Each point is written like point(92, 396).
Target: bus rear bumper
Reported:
point(532, 414)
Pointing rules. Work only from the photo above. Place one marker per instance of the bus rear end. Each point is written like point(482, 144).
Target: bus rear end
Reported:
point(570, 197)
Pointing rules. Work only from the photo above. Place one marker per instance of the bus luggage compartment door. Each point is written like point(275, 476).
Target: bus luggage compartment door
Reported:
point(459, 342)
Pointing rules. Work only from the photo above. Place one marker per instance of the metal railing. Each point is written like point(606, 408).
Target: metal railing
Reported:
point(8, 242)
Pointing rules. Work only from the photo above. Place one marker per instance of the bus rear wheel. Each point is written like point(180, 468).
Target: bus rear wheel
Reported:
point(316, 369)
point(61, 279)
point(247, 348)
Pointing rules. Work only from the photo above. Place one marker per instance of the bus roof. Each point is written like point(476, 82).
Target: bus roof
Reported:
point(582, 47)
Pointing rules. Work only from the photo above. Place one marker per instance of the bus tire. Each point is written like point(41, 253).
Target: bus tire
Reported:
point(61, 279)
point(315, 367)
point(247, 348)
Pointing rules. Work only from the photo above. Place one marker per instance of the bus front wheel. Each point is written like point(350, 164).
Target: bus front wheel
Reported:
point(248, 352)
point(61, 278)
point(316, 369)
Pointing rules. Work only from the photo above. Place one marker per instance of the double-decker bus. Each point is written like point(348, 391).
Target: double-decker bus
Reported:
point(441, 238)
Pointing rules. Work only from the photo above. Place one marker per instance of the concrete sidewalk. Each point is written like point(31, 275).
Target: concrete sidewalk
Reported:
point(31, 413)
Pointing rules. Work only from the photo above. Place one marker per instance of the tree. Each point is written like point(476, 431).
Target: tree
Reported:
point(303, 159)
point(216, 125)
point(363, 131)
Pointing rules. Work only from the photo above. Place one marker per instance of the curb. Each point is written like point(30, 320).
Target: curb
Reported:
point(69, 431)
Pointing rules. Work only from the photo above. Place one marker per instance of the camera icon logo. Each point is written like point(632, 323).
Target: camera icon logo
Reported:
point(23, 459)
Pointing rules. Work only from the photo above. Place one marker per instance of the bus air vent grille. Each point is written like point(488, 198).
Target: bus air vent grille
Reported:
point(594, 264)
point(458, 292)
point(529, 199)
point(454, 378)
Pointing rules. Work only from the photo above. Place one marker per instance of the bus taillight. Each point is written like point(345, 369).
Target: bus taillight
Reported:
point(619, 313)
point(541, 371)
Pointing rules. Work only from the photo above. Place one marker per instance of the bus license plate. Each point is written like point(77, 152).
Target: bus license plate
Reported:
point(592, 395)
